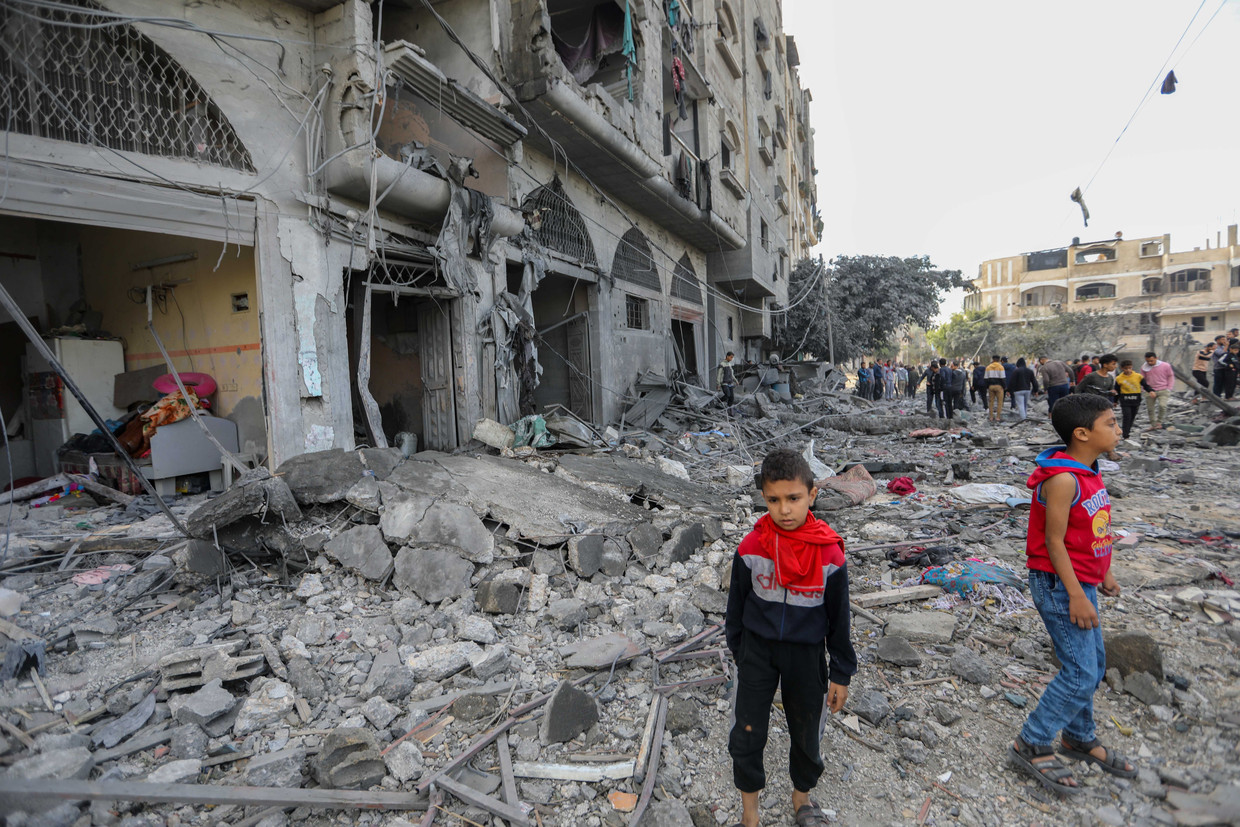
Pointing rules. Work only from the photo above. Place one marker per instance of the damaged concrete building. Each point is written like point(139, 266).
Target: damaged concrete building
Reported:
point(360, 219)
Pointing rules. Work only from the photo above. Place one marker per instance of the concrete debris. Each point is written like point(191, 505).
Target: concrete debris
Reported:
point(372, 621)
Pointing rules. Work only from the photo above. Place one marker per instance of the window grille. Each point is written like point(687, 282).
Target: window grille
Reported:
point(1189, 281)
point(685, 282)
point(636, 313)
point(560, 226)
point(1097, 290)
point(109, 86)
point(633, 262)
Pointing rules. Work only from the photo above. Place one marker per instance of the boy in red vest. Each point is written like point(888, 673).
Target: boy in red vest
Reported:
point(787, 610)
point(1069, 559)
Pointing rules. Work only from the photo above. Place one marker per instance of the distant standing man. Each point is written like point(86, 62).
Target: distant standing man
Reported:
point(1056, 377)
point(934, 388)
point(1161, 379)
point(1201, 368)
point(1220, 350)
point(996, 385)
point(727, 380)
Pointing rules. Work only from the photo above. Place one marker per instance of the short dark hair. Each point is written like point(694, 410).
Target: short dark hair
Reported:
point(942, 363)
point(1078, 410)
point(1150, 353)
point(785, 464)
point(994, 358)
point(1002, 358)
point(1106, 358)
point(1127, 363)
point(729, 353)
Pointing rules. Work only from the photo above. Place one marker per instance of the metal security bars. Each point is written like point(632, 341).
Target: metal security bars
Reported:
point(558, 225)
point(66, 77)
point(633, 261)
point(685, 282)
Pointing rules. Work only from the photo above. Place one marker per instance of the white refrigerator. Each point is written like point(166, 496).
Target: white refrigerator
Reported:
point(55, 414)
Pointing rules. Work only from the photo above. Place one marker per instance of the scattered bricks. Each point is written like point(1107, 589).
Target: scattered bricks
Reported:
point(363, 550)
point(870, 704)
point(440, 662)
point(305, 678)
point(922, 626)
point(570, 712)
point(282, 768)
point(539, 593)
point(898, 651)
point(349, 759)
point(388, 679)
point(189, 741)
point(184, 771)
point(567, 613)
point(453, 526)
point(208, 704)
point(489, 663)
point(434, 575)
point(1131, 652)
point(585, 554)
point(270, 700)
point(404, 762)
point(379, 712)
point(76, 762)
point(686, 540)
point(710, 601)
point(615, 558)
point(970, 665)
point(501, 593)
point(646, 541)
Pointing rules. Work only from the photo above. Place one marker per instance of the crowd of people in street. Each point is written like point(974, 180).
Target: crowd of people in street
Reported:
point(955, 385)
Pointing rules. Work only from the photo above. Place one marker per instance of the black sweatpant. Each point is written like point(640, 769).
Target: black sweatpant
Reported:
point(800, 671)
point(1129, 405)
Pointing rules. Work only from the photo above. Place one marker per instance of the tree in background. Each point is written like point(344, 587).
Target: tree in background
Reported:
point(863, 300)
point(965, 333)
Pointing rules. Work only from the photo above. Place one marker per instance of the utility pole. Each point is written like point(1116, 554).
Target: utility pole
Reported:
point(826, 290)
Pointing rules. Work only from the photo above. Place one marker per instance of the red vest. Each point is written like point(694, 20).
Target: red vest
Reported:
point(1088, 536)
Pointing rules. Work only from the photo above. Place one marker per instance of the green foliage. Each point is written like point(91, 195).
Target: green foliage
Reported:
point(964, 334)
point(1064, 335)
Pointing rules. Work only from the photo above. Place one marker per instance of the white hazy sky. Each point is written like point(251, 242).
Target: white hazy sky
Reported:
point(958, 128)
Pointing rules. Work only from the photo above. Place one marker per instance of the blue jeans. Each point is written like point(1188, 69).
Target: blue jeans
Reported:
point(1054, 393)
point(1068, 702)
point(1022, 402)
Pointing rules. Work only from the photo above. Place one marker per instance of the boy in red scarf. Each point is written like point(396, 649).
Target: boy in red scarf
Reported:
point(787, 609)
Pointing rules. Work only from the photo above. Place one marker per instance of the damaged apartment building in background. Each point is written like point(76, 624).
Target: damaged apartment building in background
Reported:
point(364, 220)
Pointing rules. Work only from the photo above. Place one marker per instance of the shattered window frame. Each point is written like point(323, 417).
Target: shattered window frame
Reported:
point(1189, 280)
point(636, 312)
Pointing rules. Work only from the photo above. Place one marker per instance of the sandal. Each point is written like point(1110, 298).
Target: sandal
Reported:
point(1044, 765)
point(1114, 763)
point(811, 815)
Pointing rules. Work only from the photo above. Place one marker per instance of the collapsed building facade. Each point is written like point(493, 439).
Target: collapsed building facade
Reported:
point(365, 219)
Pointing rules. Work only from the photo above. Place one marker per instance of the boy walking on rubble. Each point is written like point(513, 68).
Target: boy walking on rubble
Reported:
point(1069, 559)
point(787, 611)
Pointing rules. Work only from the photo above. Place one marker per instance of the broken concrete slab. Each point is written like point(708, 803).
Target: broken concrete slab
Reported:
point(897, 650)
point(327, 476)
point(255, 494)
point(585, 554)
point(501, 593)
point(1131, 652)
point(569, 713)
point(922, 626)
point(440, 662)
point(206, 705)
point(349, 759)
point(449, 525)
point(269, 701)
point(281, 768)
point(627, 480)
point(971, 666)
point(870, 704)
point(615, 557)
point(432, 574)
point(646, 541)
point(404, 762)
point(686, 540)
point(363, 550)
point(388, 678)
point(76, 762)
point(598, 653)
point(1146, 688)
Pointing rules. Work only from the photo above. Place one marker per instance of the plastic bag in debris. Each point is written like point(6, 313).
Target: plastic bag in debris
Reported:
point(980, 493)
point(965, 576)
point(532, 431)
point(569, 431)
point(817, 467)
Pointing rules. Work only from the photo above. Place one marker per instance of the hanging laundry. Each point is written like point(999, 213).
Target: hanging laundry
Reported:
point(678, 87)
point(1079, 198)
point(673, 13)
point(607, 34)
point(629, 48)
point(682, 174)
point(1169, 82)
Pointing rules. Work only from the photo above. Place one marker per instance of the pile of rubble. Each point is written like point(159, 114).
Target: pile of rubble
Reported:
point(535, 638)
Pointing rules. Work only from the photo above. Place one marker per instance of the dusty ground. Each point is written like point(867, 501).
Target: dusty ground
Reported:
point(937, 757)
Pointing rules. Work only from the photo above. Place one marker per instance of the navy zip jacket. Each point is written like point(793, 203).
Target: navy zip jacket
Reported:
point(758, 603)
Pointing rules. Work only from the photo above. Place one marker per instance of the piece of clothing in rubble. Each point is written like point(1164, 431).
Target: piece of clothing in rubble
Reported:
point(683, 182)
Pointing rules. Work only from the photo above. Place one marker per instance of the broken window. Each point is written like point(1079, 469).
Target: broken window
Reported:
point(1090, 255)
point(590, 40)
point(634, 263)
point(1198, 324)
point(1193, 280)
point(1151, 248)
point(1097, 290)
point(557, 224)
point(1235, 276)
point(1151, 286)
point(636, 312)
point(685, 281)
point(69, 74)
point(764, 234)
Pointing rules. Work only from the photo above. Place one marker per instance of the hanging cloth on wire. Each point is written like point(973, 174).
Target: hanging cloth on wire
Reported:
point(629, 48)
point(678, 87)
point(1079, 198)
point(673, 13)
point(1169, 82)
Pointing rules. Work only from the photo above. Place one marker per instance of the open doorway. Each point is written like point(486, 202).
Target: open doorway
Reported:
point(561, 307)
point(410, 377)
point(684, 340)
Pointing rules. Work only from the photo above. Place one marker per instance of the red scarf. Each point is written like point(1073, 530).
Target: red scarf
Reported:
point(797, 554)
